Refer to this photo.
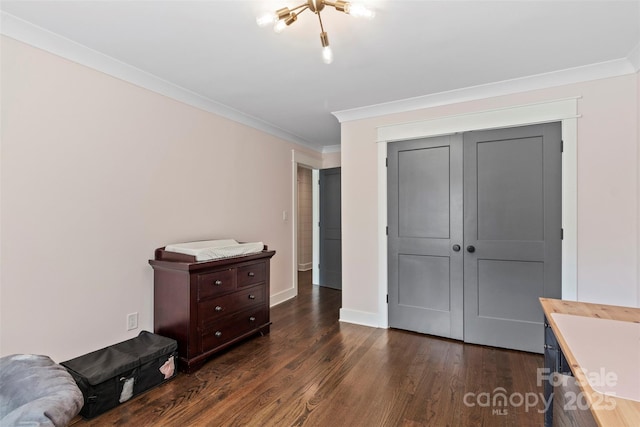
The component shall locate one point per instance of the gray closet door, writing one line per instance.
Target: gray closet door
(425, 223)
(330, 229)
(512, 233)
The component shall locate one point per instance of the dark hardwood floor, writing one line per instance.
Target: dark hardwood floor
(312, 370)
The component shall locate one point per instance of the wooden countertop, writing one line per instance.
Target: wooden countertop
(626, 412)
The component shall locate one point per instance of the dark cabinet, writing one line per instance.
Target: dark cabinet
(554, 363)
(207, 306)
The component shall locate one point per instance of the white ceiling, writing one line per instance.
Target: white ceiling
(412, 48)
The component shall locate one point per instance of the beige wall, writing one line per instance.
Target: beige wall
(331, 160)
(305, 214)
(608, 191)
(95, 174)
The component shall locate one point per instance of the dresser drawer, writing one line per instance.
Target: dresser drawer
(216, 283)
(252, 274)
(215, 309)
(231, 327)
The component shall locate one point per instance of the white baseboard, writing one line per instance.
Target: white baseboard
(283, 296)
(305, 267)
(360, 317)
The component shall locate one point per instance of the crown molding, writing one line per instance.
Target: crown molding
(26, 32)
(634, 57)
(600, 70)
(331, 149)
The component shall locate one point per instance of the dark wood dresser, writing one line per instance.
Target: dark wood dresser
(207, 306)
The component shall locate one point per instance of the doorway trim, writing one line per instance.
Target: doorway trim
(563, 110)
(297, 158)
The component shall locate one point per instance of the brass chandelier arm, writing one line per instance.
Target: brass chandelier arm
(320, 19)
(285, 13)
(338, 5)
(303, 5)
(292, 16)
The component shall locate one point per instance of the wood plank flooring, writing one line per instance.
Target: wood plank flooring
(312, 370)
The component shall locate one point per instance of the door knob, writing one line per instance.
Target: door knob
(471, 249)
(456, 248)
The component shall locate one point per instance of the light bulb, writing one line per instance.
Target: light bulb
(266, 19)
(280, 26)
(327, 55)
(359, 11)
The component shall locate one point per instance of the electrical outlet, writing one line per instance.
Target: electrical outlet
(132, 321)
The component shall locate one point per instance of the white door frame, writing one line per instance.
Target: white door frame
(315, 191)
(297, 158)
(562, 110)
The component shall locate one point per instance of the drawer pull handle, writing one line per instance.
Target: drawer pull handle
(252, 319)
(251, 274)
(218, 334)
(218, 308)
(218, 282)
(252, 296)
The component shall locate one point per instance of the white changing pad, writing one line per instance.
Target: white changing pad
(215, 249)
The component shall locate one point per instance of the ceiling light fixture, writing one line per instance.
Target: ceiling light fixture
(285, 17)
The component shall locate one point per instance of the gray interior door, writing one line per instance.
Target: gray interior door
(330, 229)
(424, 237)
(495, 197)
(512, 233)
